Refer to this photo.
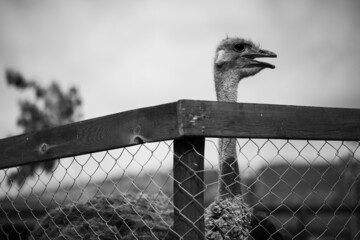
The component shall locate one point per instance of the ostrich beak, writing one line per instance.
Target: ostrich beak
(260, 53)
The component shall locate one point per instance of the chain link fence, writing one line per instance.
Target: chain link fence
(307, 189)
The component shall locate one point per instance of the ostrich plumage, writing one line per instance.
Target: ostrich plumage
(229, 217)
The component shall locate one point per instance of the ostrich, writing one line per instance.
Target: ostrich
(133, 217)
(229, 217)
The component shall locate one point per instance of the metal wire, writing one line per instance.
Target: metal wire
(307, 189)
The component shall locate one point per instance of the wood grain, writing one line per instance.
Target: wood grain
(185, 118)
(244, 120)
(114, 131)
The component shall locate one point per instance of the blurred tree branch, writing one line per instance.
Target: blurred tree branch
(52, 107)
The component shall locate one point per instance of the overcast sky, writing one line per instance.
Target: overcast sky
(124, 55)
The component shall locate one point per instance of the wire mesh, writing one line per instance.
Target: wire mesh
(306, 189)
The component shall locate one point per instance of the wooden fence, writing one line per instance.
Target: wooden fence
(188, 123)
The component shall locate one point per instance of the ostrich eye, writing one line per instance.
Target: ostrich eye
(239, 47)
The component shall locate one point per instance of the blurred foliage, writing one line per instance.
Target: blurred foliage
(123, 217)
(52, 107)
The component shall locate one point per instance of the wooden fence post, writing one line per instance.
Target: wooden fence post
(189, 188)
(355, 222)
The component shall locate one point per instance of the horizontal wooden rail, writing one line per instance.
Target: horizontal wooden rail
(184, 118)
(244, 120)
(114, 131)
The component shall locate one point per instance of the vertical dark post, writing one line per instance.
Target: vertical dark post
(355, 222)
(189, 188)
(357, 195)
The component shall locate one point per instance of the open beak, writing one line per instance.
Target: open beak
(260, 53)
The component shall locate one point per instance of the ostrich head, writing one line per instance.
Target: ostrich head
(235, 60)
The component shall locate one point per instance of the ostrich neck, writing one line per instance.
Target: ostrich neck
(226, 85)
(229, 179)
